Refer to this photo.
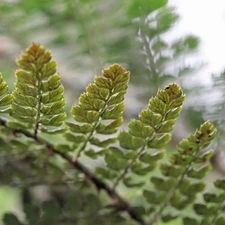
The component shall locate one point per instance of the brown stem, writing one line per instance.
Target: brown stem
(119, 203)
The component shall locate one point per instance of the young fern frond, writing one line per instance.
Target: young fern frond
(99, 111)
(150, 132)
(211, 211)
(38, 101)
(180, 183)
(5, 97)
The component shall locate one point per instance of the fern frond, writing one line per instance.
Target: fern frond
(100, 109)
(5, 97)
(150, 132)
(180, 180)
(38, 102)
(211, 211)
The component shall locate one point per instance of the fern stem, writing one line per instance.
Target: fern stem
(119, 203)
(38, 108)
(171, 194)
(126, 170)
(153, 70)
(82, 148)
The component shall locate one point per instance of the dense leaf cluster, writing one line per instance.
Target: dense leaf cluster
(66, 161)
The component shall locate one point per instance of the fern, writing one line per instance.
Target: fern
(133, 158)
(38, 97)
(100, 110)
(145, 135)
(5, 97)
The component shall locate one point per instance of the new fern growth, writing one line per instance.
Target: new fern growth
(99, 111)
(132, 158)
(38, 101)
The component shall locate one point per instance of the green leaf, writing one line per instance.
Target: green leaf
(117, 98)
(166, 126)
(189, 221)
(81, 115)
(110, 128)
(24, 100)
(163, 184)
(152, 157)
(138, 129)
(53, 95)
(6, 100)
(3, 87)
(16, 125)
(131, 182)
(74, 203)
(88, 103)
(32, 213)
(220, 221)
(50, 209)
(113, 113)
(26, 90)
(144, 7)
(220, 184)
(53, 130)
(53, 83)
(150, 118)
(63, 148)
(204, 157)
(104, 143)
(157, 106)
(199, 173)
(96, 92)
(141, 169)
(54, 108)
(92, 203)
(11, 219)
(25, 77)
(168, 217)
(171, 170)
(75, 128)
(91, 153)
(160, 141)
(56, 120)
(103, 172)
(114, 162)
(23, 111)
(75, 138)
(48, 69)
(200, 209)
(102, 82)
(154, 198)
(173, 113)
(129, 142)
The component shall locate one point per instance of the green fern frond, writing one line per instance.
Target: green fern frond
(181, 180)
(100, 109)
(150, 132)
(211, 211)
(5, 97)
(38, 102)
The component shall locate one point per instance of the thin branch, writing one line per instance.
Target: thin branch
(149, 53)
(127, 169)
(119, 203)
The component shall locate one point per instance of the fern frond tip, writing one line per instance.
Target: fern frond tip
(114, 71)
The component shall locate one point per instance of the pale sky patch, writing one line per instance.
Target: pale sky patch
(205, 19)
